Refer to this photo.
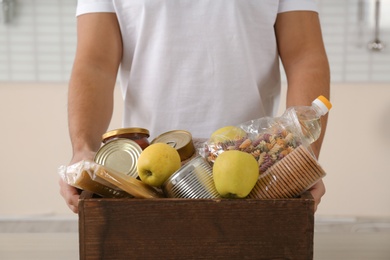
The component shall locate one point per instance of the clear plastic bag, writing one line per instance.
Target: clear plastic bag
(268, 139)
(82, 175)
(93, 177)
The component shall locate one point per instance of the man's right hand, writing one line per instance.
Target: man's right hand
(70, 194)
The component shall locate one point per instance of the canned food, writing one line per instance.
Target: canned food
(120, 155)
(192, 181)
(180, 140)
(138, 135)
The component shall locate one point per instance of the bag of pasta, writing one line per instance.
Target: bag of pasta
(267, 139)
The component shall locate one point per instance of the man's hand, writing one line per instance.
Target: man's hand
(70, 194)
(317, 191)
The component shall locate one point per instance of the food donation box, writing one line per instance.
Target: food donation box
(170, 228)
(242, 195)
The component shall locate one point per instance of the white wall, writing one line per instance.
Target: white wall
(35, 142)
(356, 152)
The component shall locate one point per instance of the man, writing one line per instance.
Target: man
(195, 65)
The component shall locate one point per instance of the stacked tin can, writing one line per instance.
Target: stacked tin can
(180, 140)
(122, 148)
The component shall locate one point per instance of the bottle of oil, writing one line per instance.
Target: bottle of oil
(309, 117)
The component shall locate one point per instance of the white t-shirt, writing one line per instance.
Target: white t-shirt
(197, 65)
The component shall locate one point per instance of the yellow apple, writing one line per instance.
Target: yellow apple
(227, 133)
(157, 163)
(235, 174)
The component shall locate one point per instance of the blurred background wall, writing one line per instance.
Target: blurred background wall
(37, 46)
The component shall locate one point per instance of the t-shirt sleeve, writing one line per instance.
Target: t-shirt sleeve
(94, 6)
(297, 5)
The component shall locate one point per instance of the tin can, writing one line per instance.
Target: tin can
(120, 155)
(180, 140)
(192, 181)
(138, 135)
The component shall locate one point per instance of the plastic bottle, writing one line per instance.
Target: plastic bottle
(309, 118)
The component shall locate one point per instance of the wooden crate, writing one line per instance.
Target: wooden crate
(196, 229)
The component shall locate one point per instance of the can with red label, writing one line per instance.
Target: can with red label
(138, 135)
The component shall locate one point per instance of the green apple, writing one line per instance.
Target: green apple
(235, 174)
(227, 133)
(157, 163)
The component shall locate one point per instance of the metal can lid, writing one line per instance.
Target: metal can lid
(125, 131)
(181, 140)
(120, 155)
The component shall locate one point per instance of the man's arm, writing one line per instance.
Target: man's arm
(91, 87)
(306, 65)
